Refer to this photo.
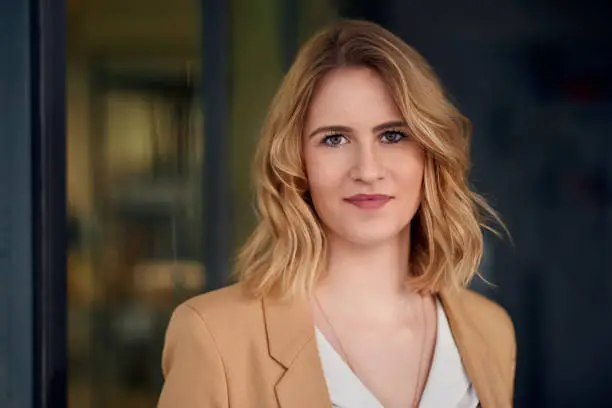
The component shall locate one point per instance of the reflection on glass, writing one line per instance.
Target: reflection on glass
(140, 244)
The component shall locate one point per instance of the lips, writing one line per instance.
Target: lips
(369, 201)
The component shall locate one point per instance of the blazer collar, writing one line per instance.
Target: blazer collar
(292, 343)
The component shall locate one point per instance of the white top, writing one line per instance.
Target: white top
(447, 385)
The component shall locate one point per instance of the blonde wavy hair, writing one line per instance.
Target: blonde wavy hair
(286, 252)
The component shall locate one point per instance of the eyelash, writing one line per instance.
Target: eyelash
(402, 134)
(399, 132)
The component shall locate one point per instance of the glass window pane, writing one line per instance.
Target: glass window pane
(136, 174)
(135, 149)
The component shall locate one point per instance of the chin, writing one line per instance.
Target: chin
(370, 236)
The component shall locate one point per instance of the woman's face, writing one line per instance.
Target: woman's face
(364, 170)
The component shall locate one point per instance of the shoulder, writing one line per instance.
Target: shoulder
(229, 304)
(490, 319)
(230, 314)
(205, 339)
(488, 315)
(230, 299)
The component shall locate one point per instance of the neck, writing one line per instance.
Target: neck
(367, 279)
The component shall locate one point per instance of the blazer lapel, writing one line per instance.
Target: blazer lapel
(481, 366)
(292, 343)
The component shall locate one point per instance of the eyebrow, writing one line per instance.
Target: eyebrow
(346, 129)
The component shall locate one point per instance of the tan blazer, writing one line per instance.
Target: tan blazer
(225, 349)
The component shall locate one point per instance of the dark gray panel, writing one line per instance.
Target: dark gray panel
(16, 272)
(48, 164)
(216, 94)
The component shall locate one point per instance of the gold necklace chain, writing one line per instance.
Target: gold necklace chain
(345, 356)
(331, 326)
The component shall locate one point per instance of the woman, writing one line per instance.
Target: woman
(351, 289)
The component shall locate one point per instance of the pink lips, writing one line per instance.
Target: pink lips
(369, 201)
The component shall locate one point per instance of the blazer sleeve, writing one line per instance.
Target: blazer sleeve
(194, 375)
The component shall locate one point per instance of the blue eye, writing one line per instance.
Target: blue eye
(334, 140)
(392, 136)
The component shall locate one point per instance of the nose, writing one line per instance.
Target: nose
(368, 166)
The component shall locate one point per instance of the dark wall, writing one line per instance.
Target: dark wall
(16, 269)
(535, 78)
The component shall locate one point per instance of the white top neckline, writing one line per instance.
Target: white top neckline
(447, 384)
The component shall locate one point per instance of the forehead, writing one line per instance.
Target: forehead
(352, 97)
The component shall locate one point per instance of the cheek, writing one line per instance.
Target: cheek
(409, 172)
(413, 172)
(324, 179)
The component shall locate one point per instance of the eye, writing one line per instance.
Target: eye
(392, 136)
(334, 140)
